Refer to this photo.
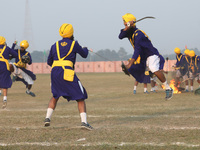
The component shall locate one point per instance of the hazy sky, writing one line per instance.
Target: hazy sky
(97, 23)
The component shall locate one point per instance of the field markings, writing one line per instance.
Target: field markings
(99, 127)
(131, 116)
(182, 144)
(107, 116)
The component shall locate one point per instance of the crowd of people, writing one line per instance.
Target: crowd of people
(187, 70)
(187, 67)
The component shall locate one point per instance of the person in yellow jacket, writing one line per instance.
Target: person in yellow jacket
(5, 80)
(64, 81)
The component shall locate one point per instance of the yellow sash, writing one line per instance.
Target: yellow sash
(137, 61)
(20, 63)
(179, 58)
(68, 73)
(3, 59)
(196, 62)
(187, 59)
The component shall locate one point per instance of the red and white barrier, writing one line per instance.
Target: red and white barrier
(98, 66)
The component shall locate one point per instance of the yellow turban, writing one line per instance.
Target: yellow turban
(191, 53)
(2, 40)
(187, 52)
(66, 30)
(24, 44)
(128, 17)
(177, 50)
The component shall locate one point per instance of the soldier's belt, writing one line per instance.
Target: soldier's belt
(60, 63)
(68, 73)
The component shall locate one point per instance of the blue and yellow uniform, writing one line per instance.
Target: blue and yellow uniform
(19, 64)
(20, 53)
(182, 63)
(194, 67)
(5, 80)
(143, 48)
(140, 42)
(64, 81)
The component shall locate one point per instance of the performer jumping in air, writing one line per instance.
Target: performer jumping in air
(20, 72)
(143, 47)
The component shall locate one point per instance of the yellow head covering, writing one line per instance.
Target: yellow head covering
(2, 40)
(191, 53)
(187, 52)
(66, 30)
(177, 50)
(24, 44)
(128, 17)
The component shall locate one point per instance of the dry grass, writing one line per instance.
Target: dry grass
(121, 120)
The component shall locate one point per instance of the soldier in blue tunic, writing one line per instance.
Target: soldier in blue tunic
(5, 80)
(194, 66)
(181, 67)
(143, 48)
(20, 72)
(64, 81)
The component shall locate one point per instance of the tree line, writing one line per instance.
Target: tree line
(101, 55)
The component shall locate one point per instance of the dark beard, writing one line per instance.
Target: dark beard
(72, 37)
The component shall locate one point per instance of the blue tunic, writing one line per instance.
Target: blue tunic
(140, 42)
(60, 87)
(5, 80)
(137, 71)
(195, 64)
(182, 63)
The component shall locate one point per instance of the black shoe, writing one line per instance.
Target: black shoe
(30, 93)
(87, 126)
(169, 93)
(47, 122)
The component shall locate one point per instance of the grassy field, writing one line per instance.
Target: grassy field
(121, 120)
